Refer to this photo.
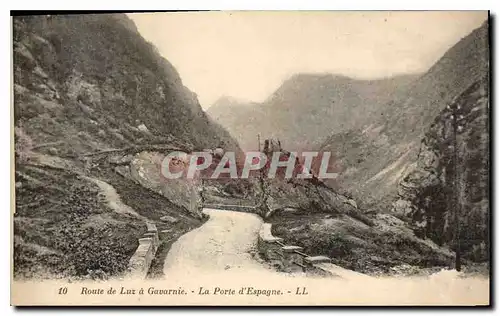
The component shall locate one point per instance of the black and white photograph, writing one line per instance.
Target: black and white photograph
(251, 158)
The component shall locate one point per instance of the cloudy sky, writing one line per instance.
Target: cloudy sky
(248, 54)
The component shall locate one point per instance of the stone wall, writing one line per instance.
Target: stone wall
(290, 258)
(236, 208)
(141, 260)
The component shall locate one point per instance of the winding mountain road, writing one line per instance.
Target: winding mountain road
(225, 242)
(218, 256)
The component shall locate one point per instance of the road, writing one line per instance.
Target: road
(223, 243)
(218, 255)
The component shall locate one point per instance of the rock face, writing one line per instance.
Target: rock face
(145, 169)
(286, 196)
(428, 192)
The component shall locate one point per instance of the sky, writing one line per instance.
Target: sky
(247, 55)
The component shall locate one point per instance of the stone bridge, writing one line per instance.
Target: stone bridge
(228, 207)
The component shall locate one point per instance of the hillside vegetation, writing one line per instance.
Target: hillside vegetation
(87, 84)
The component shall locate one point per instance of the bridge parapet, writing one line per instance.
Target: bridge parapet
(290, 258)
(236, 208)
(148, 245)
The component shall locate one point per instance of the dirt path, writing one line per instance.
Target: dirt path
(113, 199)
(225, 242)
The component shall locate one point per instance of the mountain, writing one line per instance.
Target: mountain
(103, 73)
(87, 87)
(307, 108)
(392, 140)
(242, 119)
(428, 193)
(378, 155)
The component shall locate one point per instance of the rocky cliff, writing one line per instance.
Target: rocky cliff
(428, 194)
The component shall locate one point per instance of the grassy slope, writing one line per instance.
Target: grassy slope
(325, 222)
(62, 227)
(355, 245)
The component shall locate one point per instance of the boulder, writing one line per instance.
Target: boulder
(169, 219)
(53, 151)
(317, 259)
(123, 171)
(143, 128)
(120, 159)
(402, 207)
(352, 202)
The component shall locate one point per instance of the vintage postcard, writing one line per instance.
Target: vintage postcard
(251, 158)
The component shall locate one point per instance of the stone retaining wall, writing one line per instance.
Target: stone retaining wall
(289, 258)
(141, 260)
(236, 208)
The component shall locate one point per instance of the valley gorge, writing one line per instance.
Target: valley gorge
(379, 132)
(97, 108)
